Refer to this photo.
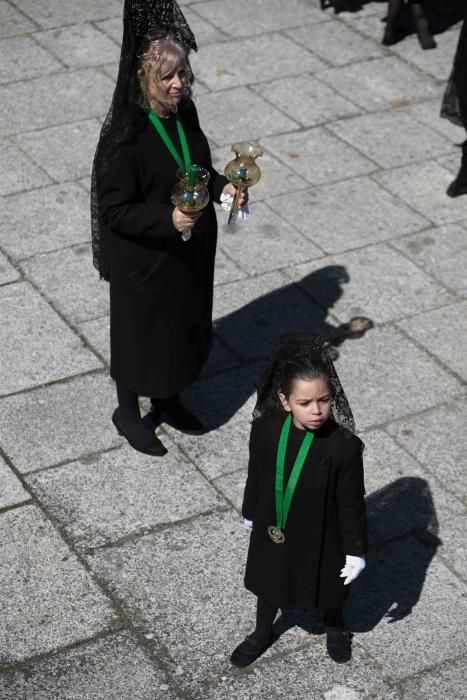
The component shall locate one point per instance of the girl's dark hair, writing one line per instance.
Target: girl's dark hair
(302, 367)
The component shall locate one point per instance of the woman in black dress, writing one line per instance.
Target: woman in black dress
(305, 556)
(161, 286)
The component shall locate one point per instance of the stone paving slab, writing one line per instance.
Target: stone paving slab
(29, 323)
(403, 289)
(17, 171)
(402, 496)
(441, 331)
(304, 674)
(12, 491)
(392, 138)
(64, 152)
(322, 214)
(70, 282)
(318, 156)
(43, 220)
(307, 100)
(113, 667)
(7, 272)
(226, 269)
(56, 430)
(382, 83)
(225, 119)
(336, 43)
(429, 113)
(403, 602)
(233, 485)
(219, 68)
(101, 499)
(269, 15)
(48, 599)
(13, 22)
(97, 334)
(54, 13)
(22, 58)
(383, 367)
(423, 186)
(442, 252)
(266, 242)
(446, 680)
(79, 46)
(87, 95)
(444, 457)
(250, 314)
(113, 27)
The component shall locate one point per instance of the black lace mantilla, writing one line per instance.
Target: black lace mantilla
(142, 20)
(295, 345)
(454, 105)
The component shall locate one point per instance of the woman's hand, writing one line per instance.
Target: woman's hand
(184, 222)
(230, 189)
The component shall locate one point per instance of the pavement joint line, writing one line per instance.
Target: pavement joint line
(427, 670)
(23, 14)
(425, 468)
(55, 57)
(15, 506)
(58, 651)
(86, 458)
(63, 380)
(455, 293)
(151, 531)
(420, 346)
(52, 251)
(96, 22)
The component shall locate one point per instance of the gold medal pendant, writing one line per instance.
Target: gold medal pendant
(276, 534)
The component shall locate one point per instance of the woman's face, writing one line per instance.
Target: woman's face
(169, 88)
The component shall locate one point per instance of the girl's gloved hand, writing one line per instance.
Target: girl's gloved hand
(248, 524)
(353, 568)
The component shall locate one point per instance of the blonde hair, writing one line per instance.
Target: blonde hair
(161, 57)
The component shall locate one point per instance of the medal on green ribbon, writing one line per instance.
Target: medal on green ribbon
(284, 499)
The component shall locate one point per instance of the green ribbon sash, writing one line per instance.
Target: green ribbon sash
(283, 500)
(161, 130)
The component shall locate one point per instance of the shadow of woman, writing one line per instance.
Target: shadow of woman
(248, 334)
(403, 535)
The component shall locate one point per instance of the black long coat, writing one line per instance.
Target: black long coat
(326, 521)
(161, 287)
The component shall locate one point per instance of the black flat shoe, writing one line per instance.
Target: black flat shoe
(338, 644)
(174, 413)
(144, 440)
(248, 651)
(459, 185)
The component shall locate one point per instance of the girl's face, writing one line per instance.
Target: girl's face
(309, 402)
(169, 89)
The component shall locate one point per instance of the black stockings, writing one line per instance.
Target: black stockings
(266, 613)
(128, 406)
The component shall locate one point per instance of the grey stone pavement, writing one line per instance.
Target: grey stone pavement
(121, 575)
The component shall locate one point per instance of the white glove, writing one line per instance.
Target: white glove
(353, 568)
(248, 524)
(226, 203)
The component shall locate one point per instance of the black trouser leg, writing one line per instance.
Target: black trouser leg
(128, 405)
(333, 617)
(265, 615)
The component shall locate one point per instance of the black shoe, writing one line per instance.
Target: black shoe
(425, 37)
(338, 644)
(140, 438)
(392, 35)
(248, 651)
(174, 413)
(459, 185)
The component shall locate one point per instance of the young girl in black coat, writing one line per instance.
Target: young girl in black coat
(304, 496)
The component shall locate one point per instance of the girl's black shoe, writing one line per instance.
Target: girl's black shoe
(174, 413)
(338, 644)
(248, 651)
(139, 437)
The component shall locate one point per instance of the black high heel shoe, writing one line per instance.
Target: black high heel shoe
(143, 440)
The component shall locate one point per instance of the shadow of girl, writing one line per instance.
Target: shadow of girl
(403, 531)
